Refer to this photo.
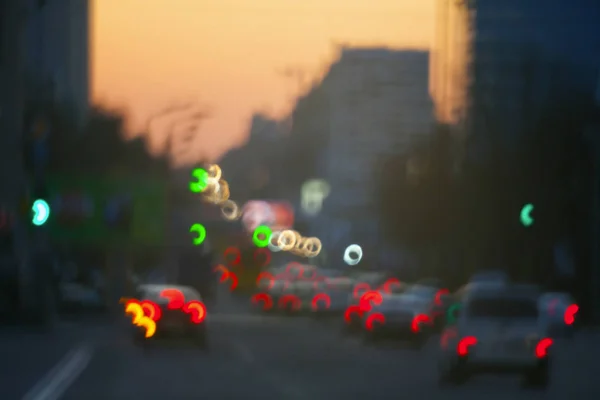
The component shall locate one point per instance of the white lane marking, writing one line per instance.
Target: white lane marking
(58, 380)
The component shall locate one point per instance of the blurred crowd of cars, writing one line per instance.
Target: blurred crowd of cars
(488, 325)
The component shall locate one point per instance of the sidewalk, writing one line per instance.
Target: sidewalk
(26, 355)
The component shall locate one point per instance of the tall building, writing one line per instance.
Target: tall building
(378, 106)
(57, 58)
(497, 65)
(448, 77)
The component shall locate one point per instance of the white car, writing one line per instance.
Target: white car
(174, 322)
(498, 329)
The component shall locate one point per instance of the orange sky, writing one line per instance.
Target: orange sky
(147, 54)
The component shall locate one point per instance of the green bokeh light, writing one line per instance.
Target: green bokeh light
(201, 180)
(525, 216)
(201, 231)
(263, 231)
(451, 313)
(41, 212)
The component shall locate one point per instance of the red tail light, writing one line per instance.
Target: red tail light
(265, 298)
(570, 312)
(447, 334)
(267, 276)
(320, 297)
(541, 350)
(375, 317)
(175, 297)
(151, 310)
(418, 320)
(464, 344)
(196, 309)
(369, 298)
(386, 287)
(359, 288)
(353, 309)
(290, 298)
(438, 296)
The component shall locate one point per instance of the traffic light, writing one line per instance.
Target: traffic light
(41, 212)
(525, 215)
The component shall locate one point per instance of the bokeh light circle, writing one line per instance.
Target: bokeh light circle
(286, 240)
(355, 250)
(262, 256)
(232, 261)
(230, 210)
(214, 172)
(201, 180)
(262, 236)
(451, 313)
(273, 246)
(312, 247)
(200, 230)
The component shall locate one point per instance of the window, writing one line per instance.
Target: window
(502, 308)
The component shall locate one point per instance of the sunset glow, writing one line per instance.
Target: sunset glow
(229, 54)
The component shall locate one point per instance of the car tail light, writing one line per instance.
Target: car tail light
(265, 298)
(359, 289)
(151, 310)
(320, 297)
(387, 285)
(196, 309)
(369, 298)
(541, 350)
(353, 309)
(569, 316)
(375, 317)
(464, 344)
(438, 296)
(290, 302)
(418, 320)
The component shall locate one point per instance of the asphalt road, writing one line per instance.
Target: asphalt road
(296, 358)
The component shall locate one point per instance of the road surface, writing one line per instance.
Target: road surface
(280, 358)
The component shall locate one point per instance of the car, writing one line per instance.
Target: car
(396, 317)
(355, 311)
(274, 284)
(498, 329)
(174, 322)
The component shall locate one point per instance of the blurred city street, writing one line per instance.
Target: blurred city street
(420, 166)
(275, 357)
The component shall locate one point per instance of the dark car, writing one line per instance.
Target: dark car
(173, 323)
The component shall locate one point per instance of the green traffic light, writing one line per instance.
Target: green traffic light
(526, 218)
(201, 180)
(41, 212)
(200, 230)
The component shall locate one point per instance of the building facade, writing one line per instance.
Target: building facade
(57, 57)
(379, 105)
(497, 65)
